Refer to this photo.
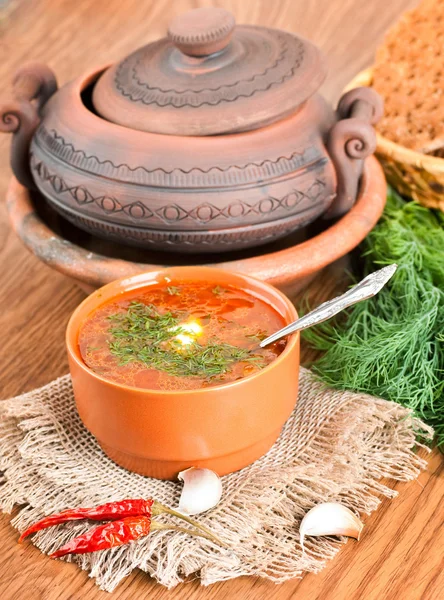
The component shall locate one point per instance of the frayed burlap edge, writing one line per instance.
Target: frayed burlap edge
(336, 446)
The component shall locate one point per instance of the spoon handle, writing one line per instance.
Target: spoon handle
(365, 289)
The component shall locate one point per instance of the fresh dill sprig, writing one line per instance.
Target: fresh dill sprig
(258, 336)
(142, 334)
(173, 290)
(393, 345)
(218, 290)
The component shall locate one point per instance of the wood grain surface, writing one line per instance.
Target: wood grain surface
(400, 555)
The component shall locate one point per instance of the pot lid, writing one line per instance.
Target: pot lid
(210, 76)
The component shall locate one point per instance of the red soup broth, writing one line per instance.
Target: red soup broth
(180, 336)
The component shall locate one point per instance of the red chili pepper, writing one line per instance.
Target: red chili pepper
(118, 533)
(110, 535)
(118, 512)
(104, 512)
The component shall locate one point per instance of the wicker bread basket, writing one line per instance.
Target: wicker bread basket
(412, 174)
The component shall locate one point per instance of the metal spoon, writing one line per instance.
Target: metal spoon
(365, 289)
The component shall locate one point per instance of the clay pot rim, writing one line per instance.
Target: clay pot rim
(278, 268)
(76, 87)
(252, 286)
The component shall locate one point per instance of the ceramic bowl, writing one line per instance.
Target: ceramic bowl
(159, 433)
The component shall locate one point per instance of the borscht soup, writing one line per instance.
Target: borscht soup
(180, 335)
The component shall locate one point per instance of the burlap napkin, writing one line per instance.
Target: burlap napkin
(336, 446)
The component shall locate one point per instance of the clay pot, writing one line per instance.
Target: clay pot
(159, 433)
(212, 139)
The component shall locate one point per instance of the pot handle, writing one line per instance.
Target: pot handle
(33, 85)
(350, 141)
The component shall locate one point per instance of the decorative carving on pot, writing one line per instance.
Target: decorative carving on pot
(210, 139)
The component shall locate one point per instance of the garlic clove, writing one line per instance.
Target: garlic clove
(330, 518)
(202, 490)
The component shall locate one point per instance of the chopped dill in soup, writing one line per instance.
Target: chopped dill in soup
(182, 336)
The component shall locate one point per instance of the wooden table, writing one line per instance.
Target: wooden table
(400, 555)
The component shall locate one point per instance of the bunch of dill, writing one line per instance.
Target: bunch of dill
(392, 345)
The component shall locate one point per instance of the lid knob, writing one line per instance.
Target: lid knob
(202, 31)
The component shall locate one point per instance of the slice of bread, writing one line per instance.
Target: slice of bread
(409, 74)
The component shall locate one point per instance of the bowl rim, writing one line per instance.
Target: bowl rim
(140, 280)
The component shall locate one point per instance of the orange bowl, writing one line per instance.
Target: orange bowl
(159, 433)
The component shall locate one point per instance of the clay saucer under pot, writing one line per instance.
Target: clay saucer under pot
(91, 263)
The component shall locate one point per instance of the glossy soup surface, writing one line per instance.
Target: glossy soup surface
(181, 336)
